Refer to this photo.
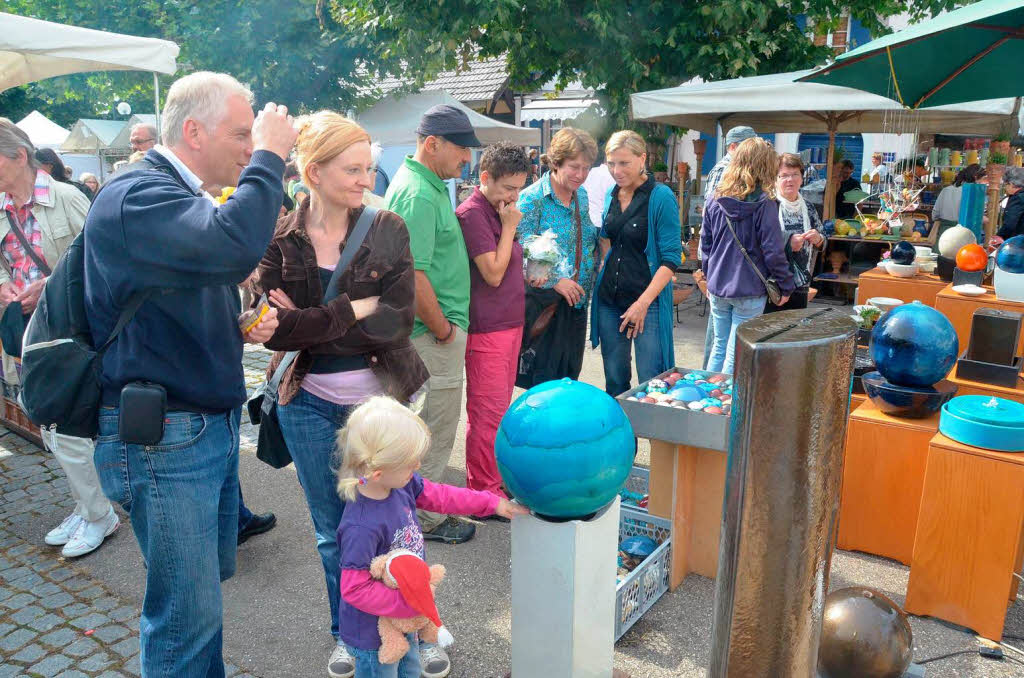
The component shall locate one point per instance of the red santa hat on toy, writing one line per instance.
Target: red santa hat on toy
(412, 575)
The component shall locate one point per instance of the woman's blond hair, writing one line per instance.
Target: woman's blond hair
(755, 164)
(323, 136)
(381, 434)
(568, 143)
(627, 139)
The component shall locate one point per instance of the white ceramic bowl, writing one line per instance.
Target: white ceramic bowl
(885, 303)
(927, 266)
(924, 251)
(903, 270)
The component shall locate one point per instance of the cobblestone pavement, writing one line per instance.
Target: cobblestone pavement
(55, 620)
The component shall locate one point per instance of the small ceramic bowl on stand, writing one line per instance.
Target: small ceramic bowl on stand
(902, 270)
(885, 303)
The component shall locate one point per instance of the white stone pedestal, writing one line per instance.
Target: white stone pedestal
(563, 596)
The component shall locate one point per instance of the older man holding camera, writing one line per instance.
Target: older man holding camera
(173, 385)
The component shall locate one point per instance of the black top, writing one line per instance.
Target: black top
(1013, 217)
(845, 210)
(330, 364)
(626, 271)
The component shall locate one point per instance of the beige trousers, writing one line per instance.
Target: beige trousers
(441, 407)
(75, 456)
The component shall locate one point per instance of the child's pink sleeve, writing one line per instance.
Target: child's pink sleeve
(457, 500)
(372, 596)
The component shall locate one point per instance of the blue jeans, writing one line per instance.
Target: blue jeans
(727, 314)
(310, 427)
(244, 514)
(709, 342)
(616, 348)
(368, 666)
(182, 497)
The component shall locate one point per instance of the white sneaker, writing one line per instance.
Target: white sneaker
(341, 664)
(434, 661)
(61, 534)
(89, 535)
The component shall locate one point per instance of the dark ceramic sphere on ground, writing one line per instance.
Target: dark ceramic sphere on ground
(863, 635)
(914, 345)
(903, 252)
(908, 402)
(1010, 256)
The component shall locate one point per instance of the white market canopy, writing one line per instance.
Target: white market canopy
(392, 121)
(777, 103)
(555, 109)
(43, 132)
(32, 49)
(93, 136)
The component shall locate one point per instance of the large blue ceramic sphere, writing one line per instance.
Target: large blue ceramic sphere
(564, 449)
(914, 345)
(1010, 256)
(903, 252)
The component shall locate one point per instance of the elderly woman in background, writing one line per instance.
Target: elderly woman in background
(556, 309)
(801, 229)
(43, 216)
(1013, 213)
(641, 245)
(89, 180)
(743, 212)
(947, 205)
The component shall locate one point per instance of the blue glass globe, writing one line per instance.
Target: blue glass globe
(1010, 256)
(565, 449)
(903, 252)
(914, 345)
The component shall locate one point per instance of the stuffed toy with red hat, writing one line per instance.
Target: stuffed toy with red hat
(404, 570)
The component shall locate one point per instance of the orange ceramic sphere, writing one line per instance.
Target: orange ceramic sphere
(972, 258)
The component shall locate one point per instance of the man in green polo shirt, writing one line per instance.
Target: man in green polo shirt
(420, 196)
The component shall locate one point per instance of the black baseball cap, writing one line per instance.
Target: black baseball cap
(450, 123)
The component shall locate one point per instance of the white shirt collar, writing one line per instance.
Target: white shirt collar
(193, 181)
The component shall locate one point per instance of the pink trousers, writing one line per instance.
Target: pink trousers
(491, 362)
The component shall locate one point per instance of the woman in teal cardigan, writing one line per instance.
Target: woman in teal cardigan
(642, 248)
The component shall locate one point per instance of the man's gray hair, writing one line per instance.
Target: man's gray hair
(1015, 176)
(12, 138)
(202, 97)
(151, 129)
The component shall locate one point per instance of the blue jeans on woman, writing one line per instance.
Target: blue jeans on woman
(368, 665)
(310, 427)
(727, 314)
(616, 348)
(182, 497)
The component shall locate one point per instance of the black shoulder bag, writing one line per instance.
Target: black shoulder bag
(262, 406)
(771, 286)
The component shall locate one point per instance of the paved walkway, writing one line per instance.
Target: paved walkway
(80, 618)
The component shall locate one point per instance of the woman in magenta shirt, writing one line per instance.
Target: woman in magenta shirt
(497, 305)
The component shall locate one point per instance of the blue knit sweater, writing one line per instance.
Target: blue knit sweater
(148, 229)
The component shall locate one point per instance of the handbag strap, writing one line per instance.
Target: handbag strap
(579, 236)
(744, 250)
(29, 250)
(355, 241)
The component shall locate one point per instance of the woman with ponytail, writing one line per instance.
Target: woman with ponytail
(352, 348)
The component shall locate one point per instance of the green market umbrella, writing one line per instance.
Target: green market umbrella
(969, 54)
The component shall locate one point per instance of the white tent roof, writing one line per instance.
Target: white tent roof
(555, 109)
(393, 121)
(777, 103)
(31, 49)
(90, 136)
(43, 132)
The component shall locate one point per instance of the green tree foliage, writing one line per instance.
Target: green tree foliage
(614, 46)
(279, 49)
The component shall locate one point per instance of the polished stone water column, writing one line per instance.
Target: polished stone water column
(793, 377)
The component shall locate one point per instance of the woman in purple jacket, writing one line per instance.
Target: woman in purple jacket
(744, 210)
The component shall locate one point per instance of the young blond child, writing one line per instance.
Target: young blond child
(382, 445)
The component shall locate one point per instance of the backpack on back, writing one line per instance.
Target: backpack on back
(60, 366)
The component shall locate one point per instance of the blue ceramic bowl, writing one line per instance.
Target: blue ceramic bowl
(904, 401)
(914, 345)
(1010, 256)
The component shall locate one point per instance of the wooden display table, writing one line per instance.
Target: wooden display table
(688, 487)
(883, 471)
(965, 387)
(970, 536)
(877, 283)
(960, 311)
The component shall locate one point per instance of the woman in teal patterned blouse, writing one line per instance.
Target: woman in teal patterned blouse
(553, 344)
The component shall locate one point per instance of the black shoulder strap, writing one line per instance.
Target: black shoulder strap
(25, 245)
(129, 310)
(355, 241)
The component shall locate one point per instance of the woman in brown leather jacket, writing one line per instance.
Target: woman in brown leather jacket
(355, 346)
